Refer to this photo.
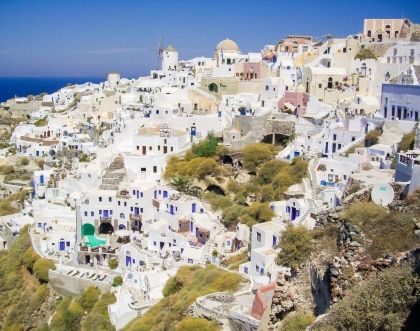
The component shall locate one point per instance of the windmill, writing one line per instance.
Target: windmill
(159, 50)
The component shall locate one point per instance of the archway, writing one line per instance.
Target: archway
(227, 159)
(330, 82)
(88, 229)
(106, 228)
(213, 88)
(215, 189)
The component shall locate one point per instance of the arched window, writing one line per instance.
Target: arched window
(122, 216)
(363, 71)
(330, 82)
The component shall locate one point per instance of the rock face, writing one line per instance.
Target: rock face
(285, 299)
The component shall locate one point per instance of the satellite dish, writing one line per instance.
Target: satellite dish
(382, 194)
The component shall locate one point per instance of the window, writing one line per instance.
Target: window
(110, 199)
(155, 169)
(92, 213)
(258, 237)
(86, 213)
(150, 148)
(266, 87)
(100, 199)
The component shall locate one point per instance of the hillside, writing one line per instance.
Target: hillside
(27, 302)
(180, 292)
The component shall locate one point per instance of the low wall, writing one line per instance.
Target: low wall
(68, 285)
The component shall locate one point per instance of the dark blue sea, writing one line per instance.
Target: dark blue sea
(24, 86)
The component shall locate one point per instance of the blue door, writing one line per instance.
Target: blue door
(41, 179)
(193, 207)
(62, 245)
(127, 261)
(155, 194)
(293, 216)
(136, 211)
(106, 213)
(171, 210)
(165, 194)
(193, 131)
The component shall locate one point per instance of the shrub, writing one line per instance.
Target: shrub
(113, 263)
(296, 246)
(372, 137)
(84, 157)
(208, 167)
(41, 268)
(256, 154)
(381, 303)
(195, 324)
(29, 258)
(194, 282)
(117, 281)
(24, 161)
(365, 53)
(407, 141)
(206, 148)
(231, 214)
(172, 286)
(41, 122)
(361, 213)
(260, 212)
(297, 321)
(89, 297)
(7, 169)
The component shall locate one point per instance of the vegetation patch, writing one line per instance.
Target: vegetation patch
(180, 292)
(381, 303)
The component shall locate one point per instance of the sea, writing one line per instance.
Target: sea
(24, 86)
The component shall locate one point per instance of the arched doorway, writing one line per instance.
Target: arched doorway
(106, 228)
(88, 229)
(330, 82)
(215, 189)
(213, 88)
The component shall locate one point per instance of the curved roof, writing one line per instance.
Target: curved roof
(170, 48)
(227, 45)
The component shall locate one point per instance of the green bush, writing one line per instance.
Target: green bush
(89, 297)
(24, 161)
(189, 283)
(297, 321)
(113, 263)
(381, 303)
(295, 246)
(407, 141)
(117, 281)
(372, 137)
(365, 53)
(206, 148)
(196, 324)
(257, 154)
(41, 268)
(7, 169)
(41, 122)
(260, 212)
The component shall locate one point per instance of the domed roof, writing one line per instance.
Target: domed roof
(228, 46)
(170, 48)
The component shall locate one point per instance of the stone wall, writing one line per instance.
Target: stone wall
(68, 285)
(286, 128)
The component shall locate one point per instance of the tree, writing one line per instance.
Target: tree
(41, 268)
(206, 148)
(296, 246)
(181, 183)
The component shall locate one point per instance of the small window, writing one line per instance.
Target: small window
(100, 199)
(92, 213)
(258, 237)
(155, 169)
(86, 213)
(110, 199)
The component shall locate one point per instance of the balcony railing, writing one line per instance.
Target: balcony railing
(105, 219)
(135, 217)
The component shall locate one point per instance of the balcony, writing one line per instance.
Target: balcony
(104, 219)
(135, 217)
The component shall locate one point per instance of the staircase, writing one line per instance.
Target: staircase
(209, 247)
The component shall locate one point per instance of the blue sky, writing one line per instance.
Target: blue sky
(90, 38)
